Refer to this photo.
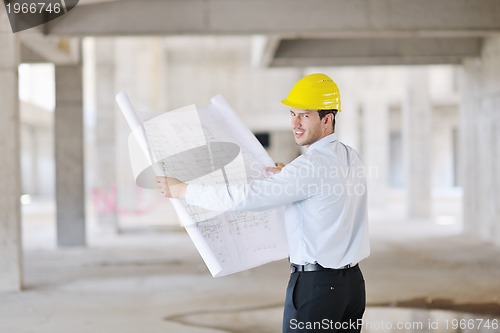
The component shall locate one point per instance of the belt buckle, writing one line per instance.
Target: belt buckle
(293, 269)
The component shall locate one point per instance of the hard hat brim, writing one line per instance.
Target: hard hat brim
(311, 107)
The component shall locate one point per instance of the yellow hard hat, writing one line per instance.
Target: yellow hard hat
(314, 92)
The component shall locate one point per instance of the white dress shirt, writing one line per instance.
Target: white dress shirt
(324, 191)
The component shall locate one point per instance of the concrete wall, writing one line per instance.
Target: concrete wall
(480, 145)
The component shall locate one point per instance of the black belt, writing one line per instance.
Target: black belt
(315, 267)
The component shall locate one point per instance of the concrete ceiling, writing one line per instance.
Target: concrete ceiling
(292, 18)
(305, 33)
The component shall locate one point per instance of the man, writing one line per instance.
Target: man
(324, 191)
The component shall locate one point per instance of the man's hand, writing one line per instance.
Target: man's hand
(277, 168)
(171, 187)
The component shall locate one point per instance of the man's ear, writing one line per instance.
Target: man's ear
(328, 118)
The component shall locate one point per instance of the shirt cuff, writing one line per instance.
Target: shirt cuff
(192, 193)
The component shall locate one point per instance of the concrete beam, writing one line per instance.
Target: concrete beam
(367, 61)
(263, 50)
(38, 48)
(334, 18)
(28, 56)
(374, 51)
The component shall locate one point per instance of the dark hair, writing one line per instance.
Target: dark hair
(322, 114)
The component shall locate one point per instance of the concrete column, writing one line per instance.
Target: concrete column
(480, 122)
(496, 168)
(70, 186)
(470, 103)
(105, 143)
(348, 125)
(490, 188)
(417, 144)
(485, 163)
(443, 173)
(376, 149)
(10, 172)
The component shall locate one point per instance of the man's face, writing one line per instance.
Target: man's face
(307, 127)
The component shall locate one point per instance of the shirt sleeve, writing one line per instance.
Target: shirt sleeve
(295, 182)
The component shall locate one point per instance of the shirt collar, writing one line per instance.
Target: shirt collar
(323, 141)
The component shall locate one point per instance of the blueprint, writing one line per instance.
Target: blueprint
(208, 145)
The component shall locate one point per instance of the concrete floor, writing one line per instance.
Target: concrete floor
(156, 282)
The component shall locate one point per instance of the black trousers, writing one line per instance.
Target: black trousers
(325, 301)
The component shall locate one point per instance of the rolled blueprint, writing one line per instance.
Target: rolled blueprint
(128, 110)
(138, 133)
